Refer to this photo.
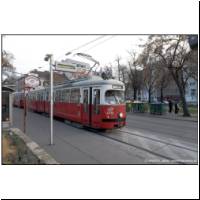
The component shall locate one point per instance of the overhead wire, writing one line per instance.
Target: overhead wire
(99, 43)
(85, 44)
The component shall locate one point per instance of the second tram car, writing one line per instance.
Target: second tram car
(92, 102)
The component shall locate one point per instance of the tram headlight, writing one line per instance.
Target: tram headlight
(121, 115)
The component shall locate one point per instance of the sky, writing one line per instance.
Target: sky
(29, 50)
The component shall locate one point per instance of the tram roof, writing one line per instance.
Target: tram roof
(94, 80)
(97, 81)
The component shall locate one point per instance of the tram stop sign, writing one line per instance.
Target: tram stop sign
(63, 66)
(32, 81)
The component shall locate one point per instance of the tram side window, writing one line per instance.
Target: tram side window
(47, 96)
(59, 96)
(36, 96)
(56, 96)
(41, 96)
(85, 101)
(66, 95)
(62, 96)
(75, 96)
(96, 101)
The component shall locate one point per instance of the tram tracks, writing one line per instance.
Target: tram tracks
(120, 137)
(114, 137)
(134, 146)
(157, 140)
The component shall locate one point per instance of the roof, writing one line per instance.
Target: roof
(6, 88)
(97, 80)
(94, 80)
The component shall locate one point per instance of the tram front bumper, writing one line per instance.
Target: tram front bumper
(113, 123)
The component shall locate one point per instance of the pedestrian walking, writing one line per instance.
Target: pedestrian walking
(176, 108)
(170, 105)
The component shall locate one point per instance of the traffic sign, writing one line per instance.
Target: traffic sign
(63, 66)
(32, 81)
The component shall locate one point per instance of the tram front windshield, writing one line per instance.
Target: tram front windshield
(114, 97)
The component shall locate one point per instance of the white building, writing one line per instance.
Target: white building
(191, 93)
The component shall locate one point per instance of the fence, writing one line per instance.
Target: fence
(141, 107)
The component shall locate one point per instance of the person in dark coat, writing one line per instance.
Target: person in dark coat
(170, 105)
(176, 108)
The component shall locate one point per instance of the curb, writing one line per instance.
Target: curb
(40, 153)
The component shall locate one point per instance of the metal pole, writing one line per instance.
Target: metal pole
(11, 108)
(24, 108)
(51, 99)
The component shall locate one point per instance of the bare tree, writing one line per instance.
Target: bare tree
(124, 72)
(149, 65)
(7, 66)
(163, 78)
(107, 73)
(174, 51)
(135, 75)
(149, 77)
(7, 59)
(118, 58)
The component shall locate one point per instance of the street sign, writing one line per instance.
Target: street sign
(63, 66)
(32, 81)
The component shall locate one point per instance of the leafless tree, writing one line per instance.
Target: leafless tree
(6, 65)
(124, 73)
(163, 78)
(149, 77)
(174, 52)
(118, 58)
(107, 72)
(135, 74)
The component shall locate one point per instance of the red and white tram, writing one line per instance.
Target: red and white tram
(92, 102)
(18, 99)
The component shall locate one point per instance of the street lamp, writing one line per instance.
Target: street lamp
(49, 57)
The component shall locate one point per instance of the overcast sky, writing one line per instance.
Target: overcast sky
(29, 51)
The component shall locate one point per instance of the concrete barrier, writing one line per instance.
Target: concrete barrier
(40, 153)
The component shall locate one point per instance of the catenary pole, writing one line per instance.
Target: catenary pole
(51, 98)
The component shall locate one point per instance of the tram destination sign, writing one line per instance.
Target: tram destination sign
(62, 66)
(117, 86)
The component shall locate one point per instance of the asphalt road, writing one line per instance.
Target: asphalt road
(145, 140)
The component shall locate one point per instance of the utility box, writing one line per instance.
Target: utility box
(139, 107)
(157, 108)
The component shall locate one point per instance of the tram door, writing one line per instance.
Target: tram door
(96, 117)
(87, 106)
